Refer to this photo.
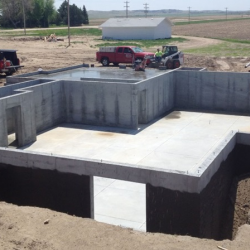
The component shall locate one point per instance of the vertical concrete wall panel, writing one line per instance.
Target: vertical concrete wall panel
(215, 91)
(46, 105)
(221, 91)
(181, 88)
(58, 103)
(26, 123)
(97, 103)
(194, 88)
(49, 105)
(3, 124)
(242, 89)
(159, 96)
(22, 112)
(126, 106)
(207, 92)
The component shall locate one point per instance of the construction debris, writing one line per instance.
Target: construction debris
(222, 248)
(52, 38)
(247, 65)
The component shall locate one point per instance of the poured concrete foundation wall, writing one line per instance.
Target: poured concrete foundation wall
(49, 104)
(66, 193)
(10, 116)
(167, 211)
(155, 97)
(208, 214)
(22, 106)
(213, 91)
(103, 104)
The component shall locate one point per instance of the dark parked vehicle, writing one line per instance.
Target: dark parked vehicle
(9, 62)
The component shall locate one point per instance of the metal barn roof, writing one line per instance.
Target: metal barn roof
(134, 22)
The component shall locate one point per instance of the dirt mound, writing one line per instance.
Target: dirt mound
(36, 229)
(229, 64)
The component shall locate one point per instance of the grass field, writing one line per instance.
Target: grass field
(58, 32)
(142, 43)
(225, 49)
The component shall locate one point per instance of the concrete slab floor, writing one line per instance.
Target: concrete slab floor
(120, 203)
(179, 142)
(103, 73)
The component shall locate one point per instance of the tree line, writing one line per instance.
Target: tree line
(39, 13)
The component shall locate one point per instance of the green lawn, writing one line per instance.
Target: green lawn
(141, 43)
(226, 49)
(58, 32)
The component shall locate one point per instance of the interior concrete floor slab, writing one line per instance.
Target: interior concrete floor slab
(178, 142)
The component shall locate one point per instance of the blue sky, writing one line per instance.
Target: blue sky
(160, 4)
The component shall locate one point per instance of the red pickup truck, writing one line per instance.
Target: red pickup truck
(121, 54)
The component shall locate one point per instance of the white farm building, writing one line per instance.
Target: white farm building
(136, 28)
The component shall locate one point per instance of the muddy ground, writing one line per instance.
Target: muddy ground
(24, 228)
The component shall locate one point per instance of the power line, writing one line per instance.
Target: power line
(126, 6)
(146, 9)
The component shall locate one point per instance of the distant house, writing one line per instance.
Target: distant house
(136, 28)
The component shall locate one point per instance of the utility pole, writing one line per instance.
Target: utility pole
(126, 6)
(68, 24)
(24, 18)
(146, 9)
(189, 14)
(226, 13)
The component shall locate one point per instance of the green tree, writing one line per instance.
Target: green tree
(41, 13)
(48, 12)
(35, 15)
(63, 12)
(11, 13)
(85, 15)
(76, 16)
(38, 13)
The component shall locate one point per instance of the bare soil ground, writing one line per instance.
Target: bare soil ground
(24, 228)
(239, 30)
(34, 53)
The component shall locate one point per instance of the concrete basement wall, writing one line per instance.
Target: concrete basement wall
(22, 108)
(49, 104)
(101, 103)
(155, 97)
(212, 91)
(10, 90)
(66, 193)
